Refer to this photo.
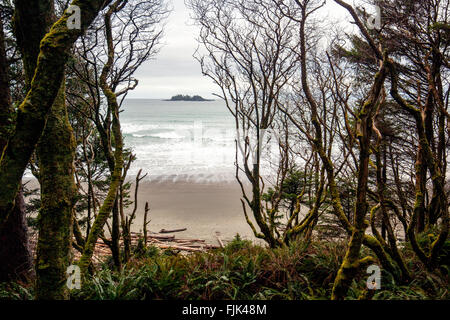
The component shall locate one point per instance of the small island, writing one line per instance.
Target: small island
(181, 97)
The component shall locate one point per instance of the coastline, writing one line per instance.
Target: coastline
(204, 208)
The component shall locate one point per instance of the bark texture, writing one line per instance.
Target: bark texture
(56, 153)
(15, 255)
(350, 265)
(15, 252)
(34, 110)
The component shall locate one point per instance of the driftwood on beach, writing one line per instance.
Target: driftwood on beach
(161, 237)
(159, 240)
(164, 240)
(219, 239)
(172, 231)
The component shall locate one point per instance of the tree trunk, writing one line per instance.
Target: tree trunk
(350, 265)
(34, 110)
(15, 252)
(6, 109)
(56, 153)
(115, 236)
(15, 255)
(116, 176)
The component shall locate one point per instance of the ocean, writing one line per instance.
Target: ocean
(180, 140)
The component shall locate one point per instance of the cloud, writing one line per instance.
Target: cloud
(174, 70)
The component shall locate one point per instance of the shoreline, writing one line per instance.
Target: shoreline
(203, 208)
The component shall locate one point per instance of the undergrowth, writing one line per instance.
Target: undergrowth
(243, 271)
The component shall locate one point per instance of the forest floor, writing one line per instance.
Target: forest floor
(165, 239)
(245, 271)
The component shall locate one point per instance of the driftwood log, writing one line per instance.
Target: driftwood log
(172, 231)
(182, 248)
(166, 238)
(219, 240)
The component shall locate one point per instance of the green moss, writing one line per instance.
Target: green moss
(116, 180)
(34, 110)
(56, 153)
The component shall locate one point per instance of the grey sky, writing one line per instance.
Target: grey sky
(174, 70)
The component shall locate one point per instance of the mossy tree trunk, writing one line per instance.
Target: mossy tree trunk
(15, 255)
(56, 153)
(428, 159)
(318, 142)
(386, 226)
(116, 177)
(350, 264)
(34, 110)
(425, 158)
(108, 204)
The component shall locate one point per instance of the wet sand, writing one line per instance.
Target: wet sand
(202, 208)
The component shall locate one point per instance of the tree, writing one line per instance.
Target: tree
(107, 74)
(359, 136)
(14, 251)
(44, 83)
(56, 154)
(33, 111)
(246, 49)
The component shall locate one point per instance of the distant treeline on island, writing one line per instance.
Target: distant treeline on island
(181, 97)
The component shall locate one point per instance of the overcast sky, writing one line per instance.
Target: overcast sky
(174, 70)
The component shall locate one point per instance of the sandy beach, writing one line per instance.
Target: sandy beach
(202, 208)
